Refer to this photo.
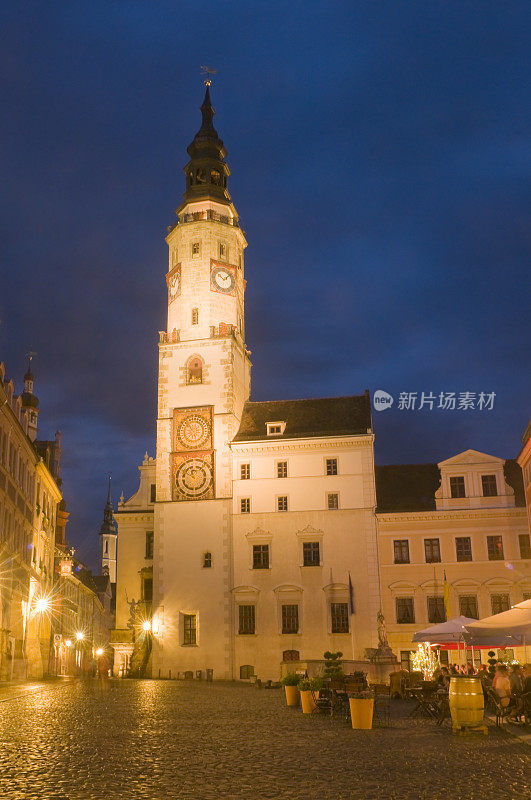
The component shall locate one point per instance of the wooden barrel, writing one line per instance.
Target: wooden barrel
(466, 701)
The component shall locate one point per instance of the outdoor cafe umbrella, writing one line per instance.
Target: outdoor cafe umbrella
(513, 624)
(451, 631)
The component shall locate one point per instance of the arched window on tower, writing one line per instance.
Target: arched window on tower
(195, 370)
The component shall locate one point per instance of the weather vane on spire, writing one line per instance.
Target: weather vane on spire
(207, 72)
(30, 355)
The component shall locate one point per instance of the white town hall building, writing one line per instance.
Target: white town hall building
(239, 543)
(251, 542)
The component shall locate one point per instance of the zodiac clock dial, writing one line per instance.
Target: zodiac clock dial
(222, 280)
(194, 477)
(193, 432)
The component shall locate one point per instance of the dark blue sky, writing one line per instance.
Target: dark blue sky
(380, 158)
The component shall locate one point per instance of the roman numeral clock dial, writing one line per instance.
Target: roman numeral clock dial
(222, 279)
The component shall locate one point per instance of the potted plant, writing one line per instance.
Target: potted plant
(492, 661)
(307, 701)
(334, 669)
(361, 709)
(317, 684)
(289, 682)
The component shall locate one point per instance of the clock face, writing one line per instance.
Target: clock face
(194, 478)
(173, 279)
(193, 432)
(174, 283)
(223, 280)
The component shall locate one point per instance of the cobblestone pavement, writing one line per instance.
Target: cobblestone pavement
(165, 740)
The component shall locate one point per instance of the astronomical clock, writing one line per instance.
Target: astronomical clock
(192, 457)
(173, 279)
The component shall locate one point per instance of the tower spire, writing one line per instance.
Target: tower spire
(207, 171)
(108, 525)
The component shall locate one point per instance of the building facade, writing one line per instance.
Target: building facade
(188, 539)
(461, 522)
(258, 537)
(36, 599)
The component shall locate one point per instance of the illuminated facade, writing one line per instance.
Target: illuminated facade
(240, 563)
(463, 518)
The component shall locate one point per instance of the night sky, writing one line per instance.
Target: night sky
(380, 159)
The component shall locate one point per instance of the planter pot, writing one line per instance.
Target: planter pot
(292, 695)
(361, 713)
(466, 701)
(307, 702)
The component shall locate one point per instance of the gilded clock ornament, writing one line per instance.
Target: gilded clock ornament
(193, 431)
(174, 283)
(194, 477)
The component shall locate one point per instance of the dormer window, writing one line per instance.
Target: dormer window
(488, 484)
(275, 428)
(457, 486)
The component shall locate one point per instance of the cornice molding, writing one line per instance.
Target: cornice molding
(424, 516)
(314, 443)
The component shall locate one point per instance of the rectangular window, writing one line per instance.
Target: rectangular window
(290, 619)
(245, 505)
(153, 493)
(499, 603)
(282, 469)
(147, 589)
(195, 316)
(260, 556)
(332, 501)
(246, 619)
(488, 483)
(436, 610)
(222, 250)
(310, 554)
(525, 545)
(401, 547)
(273, 429)
(339, 614)
(495, 548)
(196, 248)
(457, 486)
(463, 548)
(443, 657)
(468, 606)
(282, 503)
(432, 551)
(331, 466)
(405, 610)
(405, 659)
(189, 629)
(245, 472)
(149, 544)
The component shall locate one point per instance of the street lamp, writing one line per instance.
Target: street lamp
(146, 626)
(42, 604)
(80, 636)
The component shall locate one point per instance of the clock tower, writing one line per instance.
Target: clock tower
(203, 383)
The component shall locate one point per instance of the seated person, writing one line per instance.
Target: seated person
(443, 681)
(502, 685)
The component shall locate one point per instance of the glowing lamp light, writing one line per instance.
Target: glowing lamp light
(42, 605)
(146, 626)
(68, 643)
(80, 636)
(99, 651)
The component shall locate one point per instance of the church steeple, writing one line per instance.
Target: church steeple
(108, 537)
(30, 403)
(207, 171)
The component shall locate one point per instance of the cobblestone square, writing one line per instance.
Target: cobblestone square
(161, 740)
